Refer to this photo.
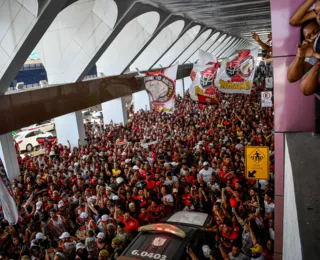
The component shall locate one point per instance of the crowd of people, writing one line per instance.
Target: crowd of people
(87, 202)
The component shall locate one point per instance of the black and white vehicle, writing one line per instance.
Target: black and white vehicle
(169, 240)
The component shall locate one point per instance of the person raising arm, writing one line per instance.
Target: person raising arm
(304, 58)
(310, 81)
(263, 45)
(302, 14)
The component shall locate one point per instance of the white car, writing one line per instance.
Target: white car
(27, 140)
(45, 126)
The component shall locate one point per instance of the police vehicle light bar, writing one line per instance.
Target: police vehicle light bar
(166, 228)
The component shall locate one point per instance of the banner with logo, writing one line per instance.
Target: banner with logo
(266, 99)
(8, 203)
(161, 88)
(237, 74)
(203, 76)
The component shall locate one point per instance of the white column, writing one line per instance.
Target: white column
(115, 110)
(70, 128)
(141, 101)
(187, 83)
(9, 156)
(180, 87)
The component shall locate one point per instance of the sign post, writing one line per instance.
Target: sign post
(257, 163)
(266, 99)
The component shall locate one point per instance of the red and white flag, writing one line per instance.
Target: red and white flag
(8, 203)
(203, 76)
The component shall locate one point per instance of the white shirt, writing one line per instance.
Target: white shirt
(206, 174)
(170, 182)
(269, 208)
(169, 198)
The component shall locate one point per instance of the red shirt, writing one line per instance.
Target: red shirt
(150, 184)
(144, 219)
(228, 241)
(132, 225)
(189, 179)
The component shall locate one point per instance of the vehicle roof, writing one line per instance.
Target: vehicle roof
(26, 132)
(157, 243)
(193, 219)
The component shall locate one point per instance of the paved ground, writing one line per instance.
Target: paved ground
(305, 159)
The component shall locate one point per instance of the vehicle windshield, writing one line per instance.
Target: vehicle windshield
(17, 137)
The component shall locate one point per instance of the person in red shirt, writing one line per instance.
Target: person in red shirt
(189, 177)
(144, 217)
(155, 211)
(132, 224)
(151, 184)
(228, 237)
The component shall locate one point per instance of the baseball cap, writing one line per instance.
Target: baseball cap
(83, 215)
(39, 205)
(104, 253)
(101, 235)
(257, 249)
(104, 218)
(205, 163)
(80, 246)
(64, 235)
(136, 168)
(60, 204)
(116, 241)
(127, 161)
(40, 236)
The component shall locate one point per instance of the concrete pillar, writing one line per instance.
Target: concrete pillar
(187, 83)
(9, 156)
(180, 87)
(141, 101)
(115, 110)
(70, 128)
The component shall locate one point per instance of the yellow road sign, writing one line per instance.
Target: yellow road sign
(257, 163)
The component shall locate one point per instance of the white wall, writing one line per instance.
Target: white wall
(74, 38)
(127, 44)
(204, 47)
(115, 110)
(158, 46)
(9, 156)
(178, 47)
(217, 43)
(291, 235)
(141, 101)
(179, 87)
(184, 58)
(221, 46)
(187, 83)
(17, 18)
(70, 127)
